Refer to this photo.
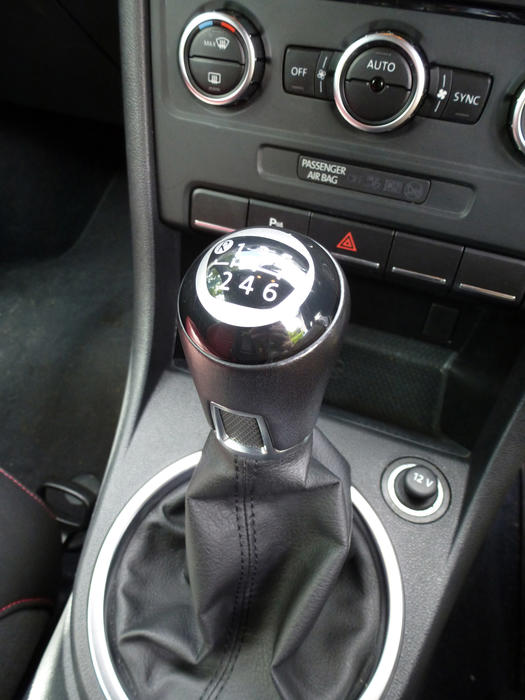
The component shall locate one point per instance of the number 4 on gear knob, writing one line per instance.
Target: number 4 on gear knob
(261, 318)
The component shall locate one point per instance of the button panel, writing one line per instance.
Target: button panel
(372, 250)
(378, 84)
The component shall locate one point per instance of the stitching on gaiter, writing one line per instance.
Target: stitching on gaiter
(234, 624)
(249, 522)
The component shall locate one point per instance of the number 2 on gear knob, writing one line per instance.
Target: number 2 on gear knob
(261, 318)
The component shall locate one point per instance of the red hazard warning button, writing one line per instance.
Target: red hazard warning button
(360, 245)
(347, 243)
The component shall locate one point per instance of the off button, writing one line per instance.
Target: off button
(299, 71)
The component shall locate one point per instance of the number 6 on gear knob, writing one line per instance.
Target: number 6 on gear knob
(261, 318)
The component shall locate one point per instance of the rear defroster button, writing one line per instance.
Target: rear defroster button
(215, 77)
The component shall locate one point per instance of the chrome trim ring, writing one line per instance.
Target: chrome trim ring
(249, 67)
(412, 511)
(517, 112)
(174, 475)
(419, 77)
(427, 515)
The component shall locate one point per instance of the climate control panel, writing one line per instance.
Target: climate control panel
(378, 83)
(382, 80)
(403, 120)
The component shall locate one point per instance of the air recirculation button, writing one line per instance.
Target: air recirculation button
(379, 82)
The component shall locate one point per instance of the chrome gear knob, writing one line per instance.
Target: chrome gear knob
(261, 318)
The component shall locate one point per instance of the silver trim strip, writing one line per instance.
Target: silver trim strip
(418, 275)
(249, 67)
(233, 445)
(405, 509)
(486, 292)
(517, 131)
(212, 227)
(418, 89)
(360, 261)
(179, 472)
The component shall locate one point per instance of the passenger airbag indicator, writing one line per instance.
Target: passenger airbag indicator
(354, 177)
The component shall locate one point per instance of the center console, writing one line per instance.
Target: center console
(393, 135)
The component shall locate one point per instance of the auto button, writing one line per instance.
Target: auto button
(384, 63)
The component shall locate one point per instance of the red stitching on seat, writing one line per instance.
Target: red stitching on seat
(28, 492)
(43, 601)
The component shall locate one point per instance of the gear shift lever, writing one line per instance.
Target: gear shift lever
(250, 590)
(261, 316)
